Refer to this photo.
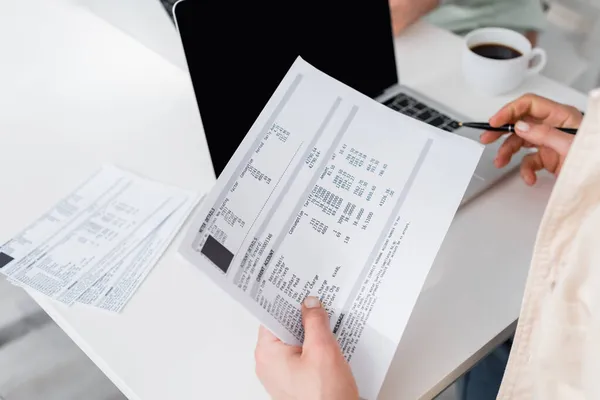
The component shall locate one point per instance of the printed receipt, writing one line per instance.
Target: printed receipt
(113, 291)
(333, 195)
(99, 242)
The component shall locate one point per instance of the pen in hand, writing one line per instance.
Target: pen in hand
(505, 128)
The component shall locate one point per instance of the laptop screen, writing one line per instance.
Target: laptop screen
(238, 53)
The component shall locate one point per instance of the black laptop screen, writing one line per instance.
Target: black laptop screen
(238, 52)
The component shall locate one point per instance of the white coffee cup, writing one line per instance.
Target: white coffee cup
(494, 76)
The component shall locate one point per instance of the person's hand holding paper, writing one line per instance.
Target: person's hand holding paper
(317, 370)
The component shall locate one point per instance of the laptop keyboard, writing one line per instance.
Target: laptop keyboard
(410, 106)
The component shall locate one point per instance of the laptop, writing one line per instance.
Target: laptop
(238, 52)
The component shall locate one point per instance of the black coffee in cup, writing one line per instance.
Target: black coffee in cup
(496, 51)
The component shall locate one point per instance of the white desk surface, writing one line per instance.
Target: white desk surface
(77, 92)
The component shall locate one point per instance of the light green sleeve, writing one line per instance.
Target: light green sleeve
(465, 15)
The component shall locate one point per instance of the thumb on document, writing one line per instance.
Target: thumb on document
(317, 334)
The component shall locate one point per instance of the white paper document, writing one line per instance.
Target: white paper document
(113, 226)
(334, 195)
(113, 291)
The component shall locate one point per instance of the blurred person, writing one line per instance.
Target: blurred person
(463, 16)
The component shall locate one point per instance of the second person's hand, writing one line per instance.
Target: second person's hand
(535, 118)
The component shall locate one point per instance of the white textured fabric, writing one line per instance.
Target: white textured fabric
(556, 351)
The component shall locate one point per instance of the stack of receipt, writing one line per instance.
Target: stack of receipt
(97, 245)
